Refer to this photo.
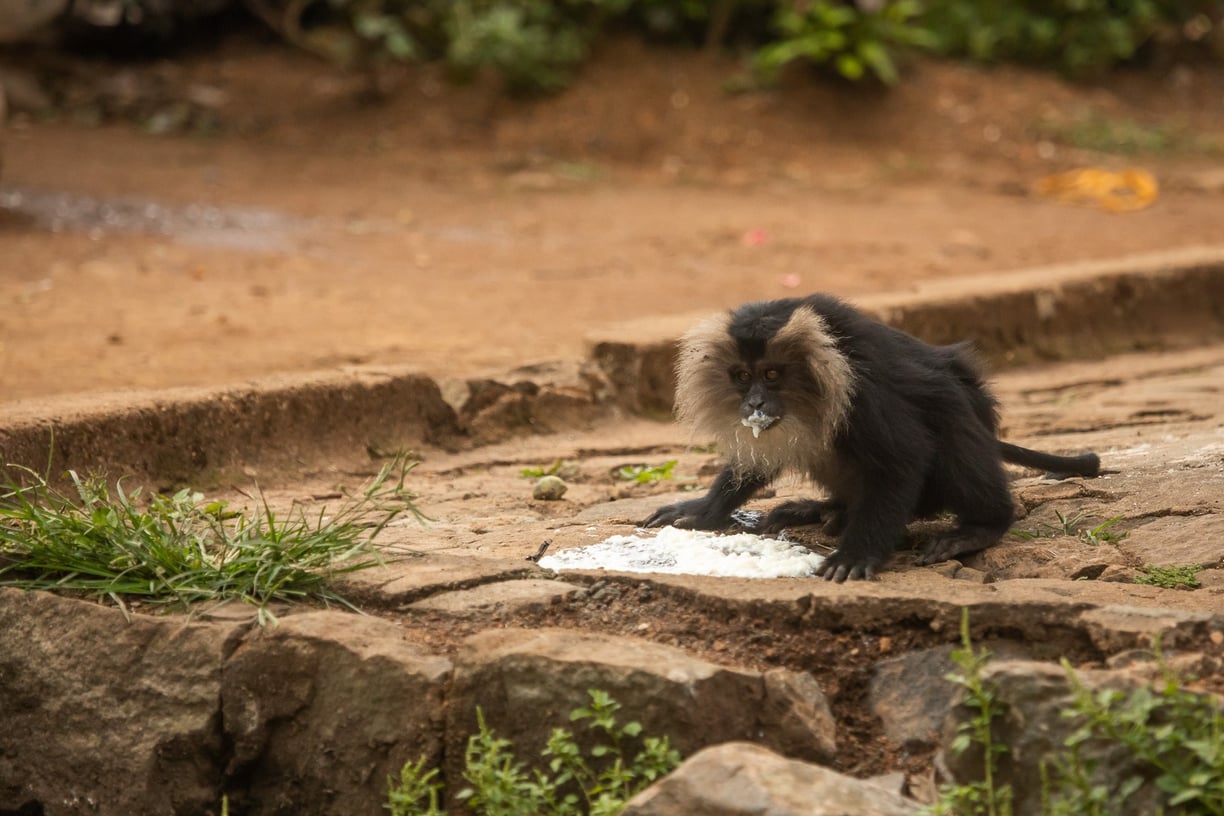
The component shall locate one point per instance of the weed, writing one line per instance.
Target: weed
(1172, 736)
(416, 785)
(646, 474)
(1178, 577)
(1071, 525)
(1162, 734)
(982, 797)
(182, 549)
(1100, 534)
(551, 470)
(500, 785)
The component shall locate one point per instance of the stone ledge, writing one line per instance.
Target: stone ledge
(1091, 309)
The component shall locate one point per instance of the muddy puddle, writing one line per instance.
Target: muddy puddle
(202, 225)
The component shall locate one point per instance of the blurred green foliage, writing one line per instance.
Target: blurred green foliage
(1078, 37)
(535, 45)
(852, 41)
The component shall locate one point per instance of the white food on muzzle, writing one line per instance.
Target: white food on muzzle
(758, 422)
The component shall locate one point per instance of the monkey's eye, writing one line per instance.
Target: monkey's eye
(772, 374)
(743, 375)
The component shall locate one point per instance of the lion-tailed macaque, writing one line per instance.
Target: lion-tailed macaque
(891, 427)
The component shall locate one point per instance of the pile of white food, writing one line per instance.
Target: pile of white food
(691, 552)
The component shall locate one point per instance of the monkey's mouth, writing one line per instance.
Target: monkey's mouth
(758, 421)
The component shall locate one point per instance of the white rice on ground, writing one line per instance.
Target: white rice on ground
(691, 552)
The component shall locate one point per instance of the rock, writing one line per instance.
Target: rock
(1065, 557)
(1112, 628)
(740, 778)
(1118, 574)
(911, 694)
(627, 511)
(320, 710)
(499, 597)
(402, 582)
(1177, 541)
(549, 488)
(527, 682)
(894, 782)
(638, 361)
(544, 398)
(108, 715)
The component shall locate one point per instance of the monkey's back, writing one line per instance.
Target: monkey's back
(898, 375)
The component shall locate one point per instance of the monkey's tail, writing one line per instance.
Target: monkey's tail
(1087, 464)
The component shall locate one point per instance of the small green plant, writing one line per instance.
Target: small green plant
(1175, 577)
(551, 470)
(853, 41)
(183, 549)
(417, 793)
(646, 474)
(1160, 735)
(1101, 533)
(982, 797)
(1071, 525)
(598, 783)
(1174, 738)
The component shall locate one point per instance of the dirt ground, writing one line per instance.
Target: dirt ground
(458, 230)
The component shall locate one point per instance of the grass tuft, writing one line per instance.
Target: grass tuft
(181, 549)
(1172, 577)
(646, 474)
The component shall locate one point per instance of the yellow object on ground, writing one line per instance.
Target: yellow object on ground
(1115, 191)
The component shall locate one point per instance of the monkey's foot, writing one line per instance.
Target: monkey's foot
(961, 541)
(806, 511)
(842, 565)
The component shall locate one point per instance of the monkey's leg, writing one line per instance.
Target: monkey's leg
(983, 506)
(713, 510)
(874, 524)
(830, 512)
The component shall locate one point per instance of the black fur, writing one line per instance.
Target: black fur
(919, 438)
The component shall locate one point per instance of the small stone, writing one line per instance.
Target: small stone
(975, 575)
(549, 488)
(1118, 574)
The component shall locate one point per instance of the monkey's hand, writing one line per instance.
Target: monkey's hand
(694, 514)
(842, 565)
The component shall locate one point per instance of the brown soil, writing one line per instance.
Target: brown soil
(457, 230)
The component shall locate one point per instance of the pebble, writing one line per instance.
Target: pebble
(549, 488)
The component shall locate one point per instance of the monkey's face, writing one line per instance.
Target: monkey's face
(771, 392)
(760, 387)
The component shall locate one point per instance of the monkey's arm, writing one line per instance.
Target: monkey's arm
(874, 523)
(713, 510)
